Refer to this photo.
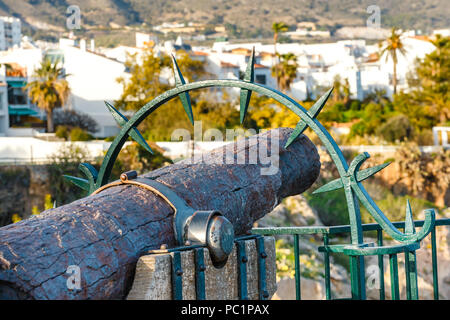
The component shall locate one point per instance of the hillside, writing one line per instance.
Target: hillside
(243, 18)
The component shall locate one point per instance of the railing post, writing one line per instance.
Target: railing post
(381, 265)
(357, 278)
(262, 256)
(434, 264)
(327, 268)
(242, 270)
(200, 269)
(412, 292)
(298, 295)
(177, 276)
(395, 291)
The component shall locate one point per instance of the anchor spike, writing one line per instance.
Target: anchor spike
(79, 182)
(313, 112)
(360, 176)
(245, 94)
(184, 97)
(409, 221)
(133, 133)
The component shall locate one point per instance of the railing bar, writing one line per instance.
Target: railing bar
(327, 268)
(242, 272)
(200, 274)
(381, 266)
(263, 294)
(395, 291)
(357, 274)
(434, 264)
(298, 295)
(412, 274)
(407, 274)
(338, 229)
(177, 276)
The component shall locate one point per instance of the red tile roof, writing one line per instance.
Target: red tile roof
(200, 53)
(260, 66)
(227, 65)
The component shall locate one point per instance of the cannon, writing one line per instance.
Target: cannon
(105, 233)
(192, 202)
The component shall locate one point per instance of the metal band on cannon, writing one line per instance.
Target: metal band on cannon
(192, 227)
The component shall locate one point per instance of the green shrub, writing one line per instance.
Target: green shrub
(355, 105)
(78, 134)
(397, 128)
(62, 132)
(330, 206)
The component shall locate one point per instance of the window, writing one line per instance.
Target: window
(16, 95)
(260, 78)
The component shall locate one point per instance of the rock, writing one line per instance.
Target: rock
(310, 289)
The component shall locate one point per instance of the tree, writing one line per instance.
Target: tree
(144, 85)
(393, 46)
(428, 101)
(433, 75)
(50, 90)
(74, 119)
(285, 71)
(278, 27)
(337, 88)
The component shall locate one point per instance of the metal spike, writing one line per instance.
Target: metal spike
(313, 112)
(245, 94)
(184, 97)
(133, 133)
(79, 182)
(367, 173)
(330, 186)
(409, 221)
(360, 176)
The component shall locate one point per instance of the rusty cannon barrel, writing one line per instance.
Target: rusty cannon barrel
(102, 236)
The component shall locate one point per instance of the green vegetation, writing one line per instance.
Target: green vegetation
(135, 157)
(78, 134)
(50, 90)
(332, 206)
(285, 260)
(285, 71)
(393, 47)
(249, 20)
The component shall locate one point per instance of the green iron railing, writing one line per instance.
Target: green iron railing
(379, 250)
(350, 176)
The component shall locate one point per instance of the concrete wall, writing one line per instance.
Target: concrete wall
(33, 150)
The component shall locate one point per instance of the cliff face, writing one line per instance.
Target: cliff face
(22, 188)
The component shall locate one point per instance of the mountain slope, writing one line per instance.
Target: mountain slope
(250, 17)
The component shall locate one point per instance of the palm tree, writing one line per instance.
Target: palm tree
(285, 71)
(393, 45)
(50, 90)
(278, 27)
(337, 88)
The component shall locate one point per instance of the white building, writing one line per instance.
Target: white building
(4, 121)
(10, 33)
(93, 79)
